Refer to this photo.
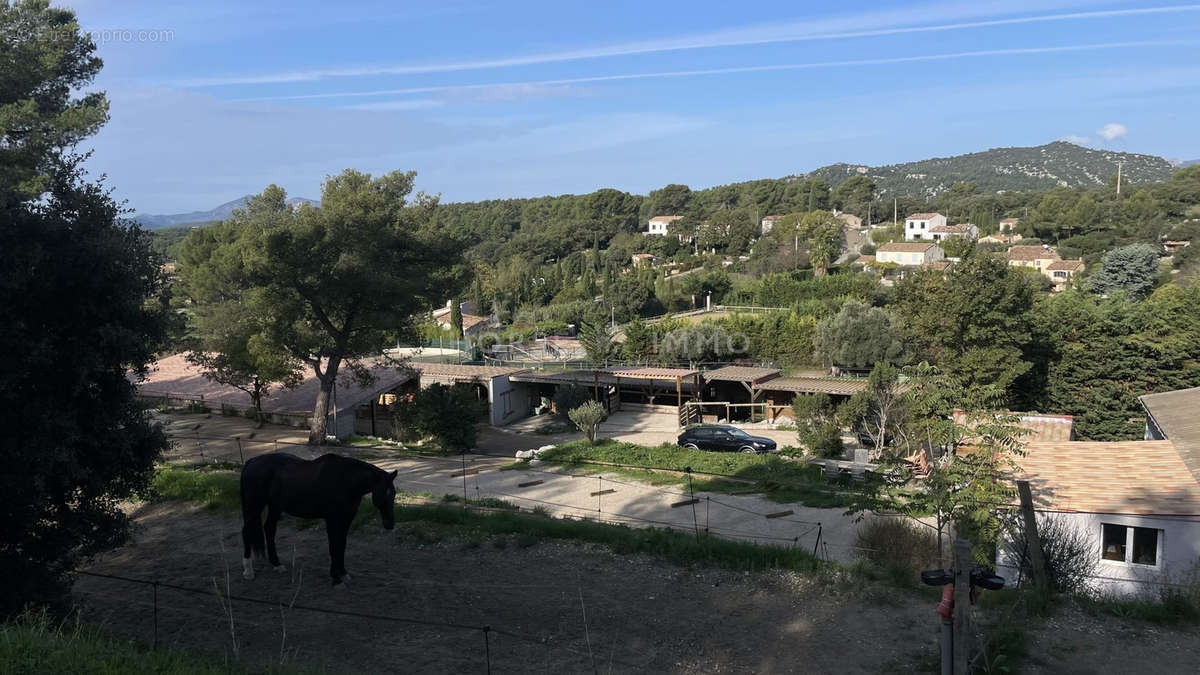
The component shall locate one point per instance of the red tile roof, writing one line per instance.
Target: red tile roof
(1067, 265)
(1025, 253)
(1139, 477)
(906, 247)
(922, 216)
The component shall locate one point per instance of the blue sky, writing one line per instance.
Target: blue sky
(214, 100)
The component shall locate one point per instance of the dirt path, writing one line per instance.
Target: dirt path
(643, 615)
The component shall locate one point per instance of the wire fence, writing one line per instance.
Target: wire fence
(487, 633)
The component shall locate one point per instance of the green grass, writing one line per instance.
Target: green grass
(1171, 609)
(777, 478)
(216, 490)
(33, 643)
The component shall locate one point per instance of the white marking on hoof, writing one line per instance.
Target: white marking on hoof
(280, 568)
(247, 568)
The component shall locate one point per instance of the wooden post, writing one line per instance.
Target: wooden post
(596, 384)
(962, 607)
(1037, 559)
(618, 392)
(373, 433)
(679, 392)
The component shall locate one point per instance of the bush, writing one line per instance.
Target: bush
(1069, 552)
(569, 398)
(898, 544)
(448, 414)
(588, 418)
(818, 428)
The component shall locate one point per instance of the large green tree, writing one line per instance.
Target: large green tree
(859, 336)
(975, 321)
(76, 297)
(1132, 270)
(335, 284)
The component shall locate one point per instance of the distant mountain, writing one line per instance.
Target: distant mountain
(1189, 162)
(222, 212)
(1037, 168)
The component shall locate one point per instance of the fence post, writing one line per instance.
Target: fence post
(154, 641)
(962, 606)
(818, 541)
(241, 456)
(487, 648)
(1032, 540)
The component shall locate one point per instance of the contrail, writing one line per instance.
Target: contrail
(738, 69)
(702, 42)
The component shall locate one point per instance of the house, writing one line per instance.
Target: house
(1038, 427)
(909, 253)
(661, 224)
(1037, 257)
(1062, 271)
(1170, 247)
(1009, 225)
(507, 400)
(1001, 239)
(472, 325)
(642, 259)
(768, 223)
(1133, 503)
(920, 225)
(962, 230)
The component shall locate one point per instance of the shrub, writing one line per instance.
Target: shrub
(448, 414)
(818, 428)
(569, 398)
(1069, 552)
(899, 544)
(588, 417)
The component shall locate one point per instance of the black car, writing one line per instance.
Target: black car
(723, 438)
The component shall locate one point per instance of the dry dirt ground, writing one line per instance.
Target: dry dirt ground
(642, 614)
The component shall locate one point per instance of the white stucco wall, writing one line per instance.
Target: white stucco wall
(510, 401)
(1178, 554)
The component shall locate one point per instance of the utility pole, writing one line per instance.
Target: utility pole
(895, 207)
(1036, 557)
(1119, 177)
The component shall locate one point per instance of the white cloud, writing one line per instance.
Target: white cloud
(1077, 140)
(540, 87)
(868, 24)
(1112, 131)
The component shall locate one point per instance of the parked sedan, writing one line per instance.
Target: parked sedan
(721, 438)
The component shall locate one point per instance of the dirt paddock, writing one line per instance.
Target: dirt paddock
(642, 614)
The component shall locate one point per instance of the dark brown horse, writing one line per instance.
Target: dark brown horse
(329, 487)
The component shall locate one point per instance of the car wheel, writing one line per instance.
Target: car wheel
(690, 446)
(747, 450)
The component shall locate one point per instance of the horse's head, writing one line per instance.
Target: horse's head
(383, 495)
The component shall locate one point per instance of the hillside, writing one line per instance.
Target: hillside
(1036, 168)
(222, 212)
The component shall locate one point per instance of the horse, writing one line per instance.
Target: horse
(329, 487)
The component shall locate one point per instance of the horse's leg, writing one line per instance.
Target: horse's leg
(273, 515)
(336, 528)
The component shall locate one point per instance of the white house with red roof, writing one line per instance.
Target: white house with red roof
(920, 226)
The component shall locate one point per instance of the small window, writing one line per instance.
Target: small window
(1136, 545)
(1114, 542)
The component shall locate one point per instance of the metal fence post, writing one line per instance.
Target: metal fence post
(962, 606)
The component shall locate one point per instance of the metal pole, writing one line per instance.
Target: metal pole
(947, 648)
(962, 607)
(1032, 541)
(240, 455)
(155, 642)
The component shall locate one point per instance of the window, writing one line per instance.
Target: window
(1136, 545)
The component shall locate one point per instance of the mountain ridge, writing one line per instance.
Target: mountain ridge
(1015, 168)
(220, 212)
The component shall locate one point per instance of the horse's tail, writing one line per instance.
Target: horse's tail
(253, 539)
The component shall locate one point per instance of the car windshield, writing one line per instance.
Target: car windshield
(737, 433)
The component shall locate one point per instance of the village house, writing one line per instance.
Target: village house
(909, 254)
(962, 230)
(920, 226)
(768, 223)
(1000, 238)
(1062, 271)
(659, 225)
(1134, 502)
(642, 259)
(472, 325)
(1171, 246)
(1037, 257)
(1009, 225)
